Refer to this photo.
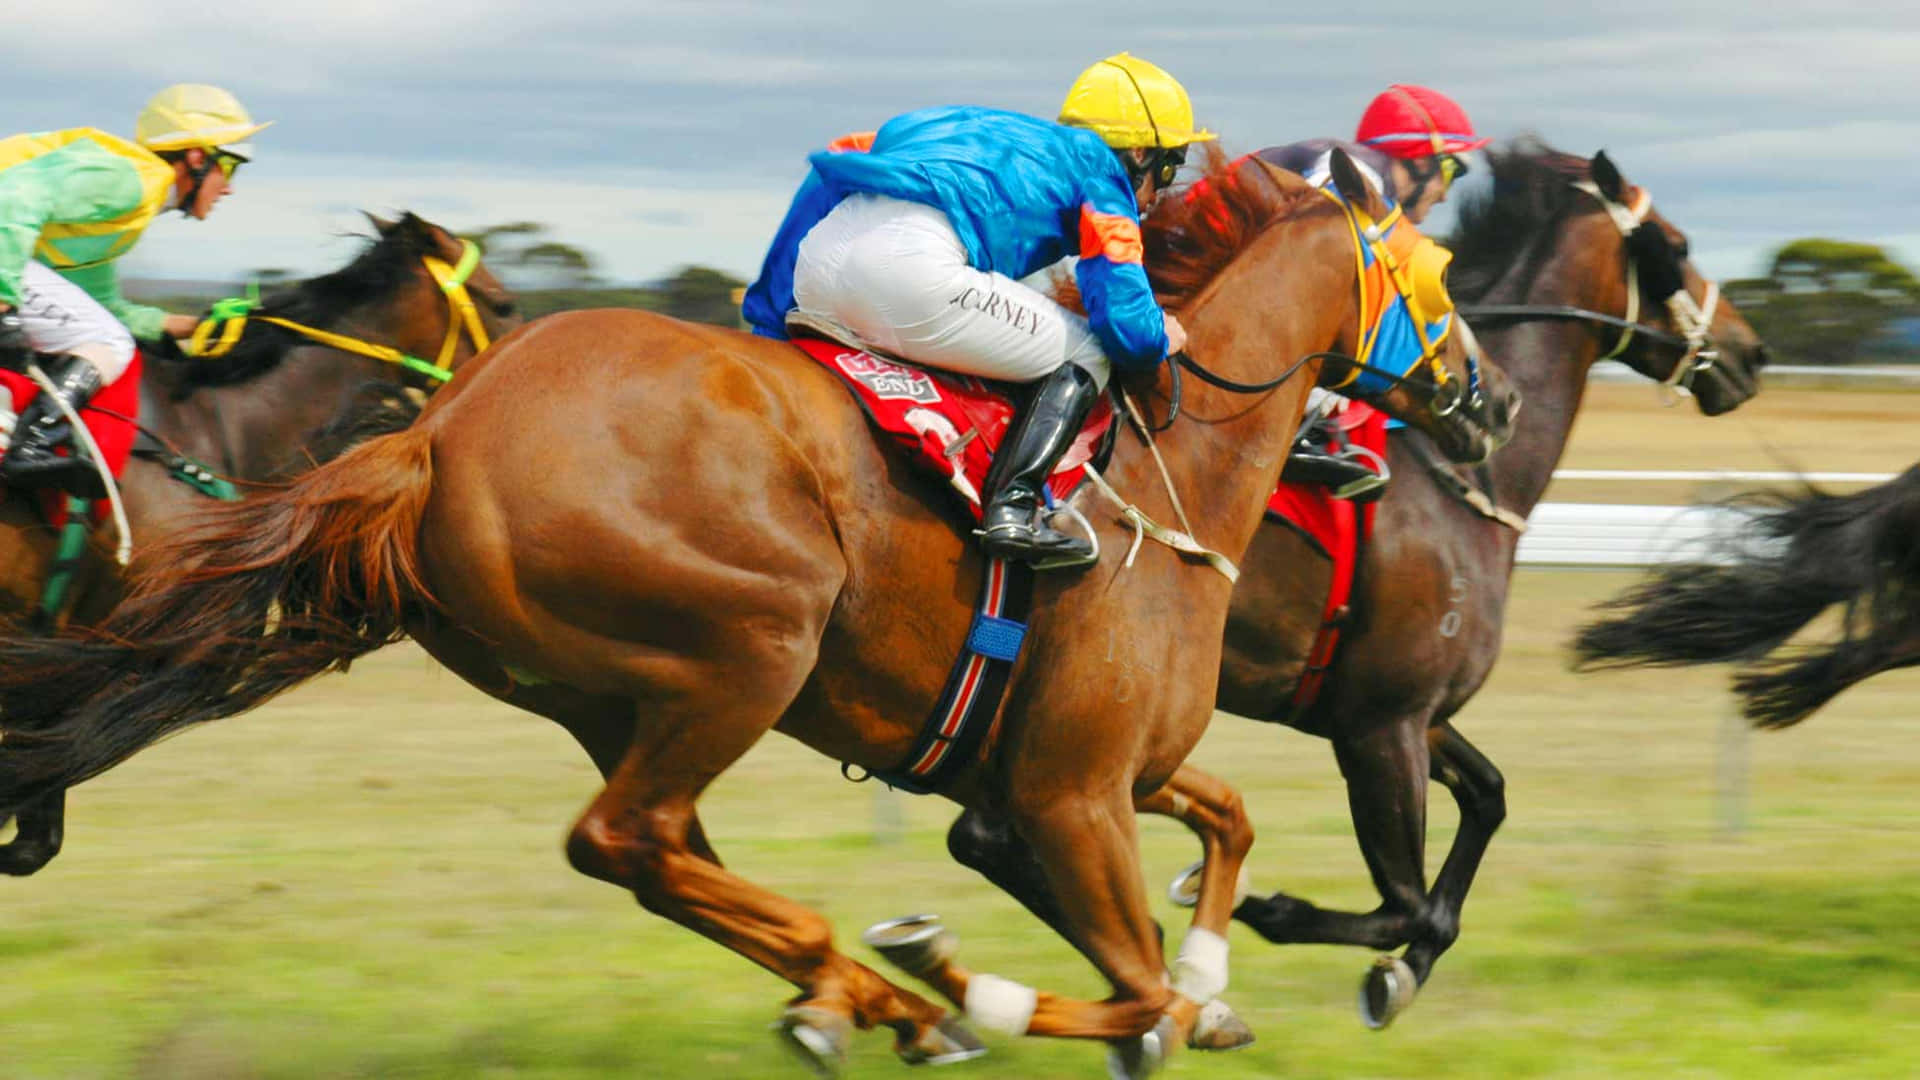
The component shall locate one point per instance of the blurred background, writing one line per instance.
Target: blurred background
(365, 878)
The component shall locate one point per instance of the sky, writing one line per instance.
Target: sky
(656, 133)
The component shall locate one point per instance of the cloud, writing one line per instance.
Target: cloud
(661, 132)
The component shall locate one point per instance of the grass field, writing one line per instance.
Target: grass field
(364, 879)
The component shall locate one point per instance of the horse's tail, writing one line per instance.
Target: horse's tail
(249, 600)
(1797, 555)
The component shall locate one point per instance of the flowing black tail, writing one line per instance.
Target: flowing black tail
(251, 599)
(1795, 556)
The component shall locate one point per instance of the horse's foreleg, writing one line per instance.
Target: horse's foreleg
(39, 828)
(1480, 791)
(991, 847)
(1214, 810)
(1088, 850)
(1386, 773)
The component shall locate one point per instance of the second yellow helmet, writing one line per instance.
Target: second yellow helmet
(1130, 102)
(193, 114)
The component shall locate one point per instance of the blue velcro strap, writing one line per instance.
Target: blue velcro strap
(996, 638)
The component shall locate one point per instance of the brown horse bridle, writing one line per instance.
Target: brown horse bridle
(1693, 318)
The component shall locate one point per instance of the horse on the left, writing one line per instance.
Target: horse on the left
(283, 394)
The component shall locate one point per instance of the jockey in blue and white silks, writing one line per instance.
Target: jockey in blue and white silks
(915, 244)
(1017, 194)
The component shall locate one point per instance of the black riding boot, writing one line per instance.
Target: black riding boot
(1344, 477)
(1039, 434)
(30, 461)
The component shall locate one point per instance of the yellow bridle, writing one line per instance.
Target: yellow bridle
(216, 336)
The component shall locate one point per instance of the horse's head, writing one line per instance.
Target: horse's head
(1695, 342)
(1410, 353)
(448, 306)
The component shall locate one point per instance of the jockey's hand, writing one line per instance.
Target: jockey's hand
(179, 326)
(1176, 336)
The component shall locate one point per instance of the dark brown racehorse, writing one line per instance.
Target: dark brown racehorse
(1792, 557)
(1547, 266)
(673, 538)
(272, 406)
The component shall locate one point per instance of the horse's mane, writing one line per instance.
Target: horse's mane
(381, 269)
(1532, 188)
(1195, 230)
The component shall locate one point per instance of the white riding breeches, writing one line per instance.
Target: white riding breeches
(59, 317)
(895, 274)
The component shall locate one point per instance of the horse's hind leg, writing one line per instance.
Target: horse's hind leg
(39, 828)
(642, 832)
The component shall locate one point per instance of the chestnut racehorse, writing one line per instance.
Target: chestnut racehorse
(673, 538)
(269, 406)
(1548, 266)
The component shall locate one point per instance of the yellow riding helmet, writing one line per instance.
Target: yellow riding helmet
(186, 115)
(1129, 103)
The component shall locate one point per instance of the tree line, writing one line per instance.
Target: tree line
(1821, 301)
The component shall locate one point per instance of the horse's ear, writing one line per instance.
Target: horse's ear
(1352, 186)
(380, 224)
(418, 232)
(1606, 177)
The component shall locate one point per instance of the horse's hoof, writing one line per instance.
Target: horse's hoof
(1386, 991)
(945, 1043)
(820, 1038)
(917, 944)
(1140, 1057)
(1185, 890)
(1219, 1028)
(22, 861)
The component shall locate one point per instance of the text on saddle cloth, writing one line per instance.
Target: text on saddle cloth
(949, 423)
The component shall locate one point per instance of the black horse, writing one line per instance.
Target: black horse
(275, 404)
(1791, 557)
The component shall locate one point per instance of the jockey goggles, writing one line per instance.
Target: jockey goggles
(228, 162)
(1163, 164)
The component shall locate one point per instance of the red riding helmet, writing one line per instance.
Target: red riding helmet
(1414, 122)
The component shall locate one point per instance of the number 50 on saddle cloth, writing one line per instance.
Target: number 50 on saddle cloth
(950, 423)
(111, 417)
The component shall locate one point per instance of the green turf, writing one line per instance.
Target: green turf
(364, 879)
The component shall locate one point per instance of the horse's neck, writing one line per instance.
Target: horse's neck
(1225, 453)
(250, 430)
(1548, 361)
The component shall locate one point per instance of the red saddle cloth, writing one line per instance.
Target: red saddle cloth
(949, 423)
(110, 416)
(1339, 529)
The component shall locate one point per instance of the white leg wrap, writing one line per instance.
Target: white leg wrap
(1200, 971)
(1001, 1005)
